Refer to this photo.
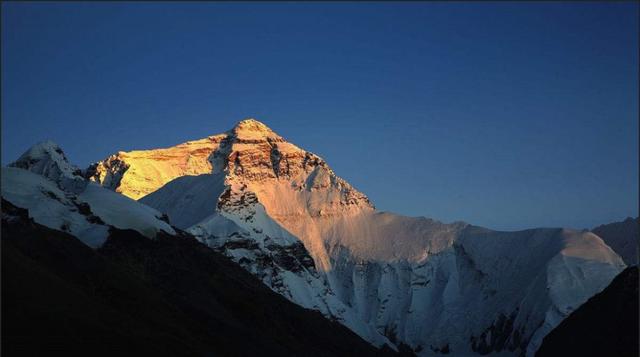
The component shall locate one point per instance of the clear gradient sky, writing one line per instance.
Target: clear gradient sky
(508, 115)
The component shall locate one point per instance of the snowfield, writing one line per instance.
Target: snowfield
(49, 206)
(123, 212)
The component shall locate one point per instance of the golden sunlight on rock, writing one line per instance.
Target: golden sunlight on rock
(138, 173)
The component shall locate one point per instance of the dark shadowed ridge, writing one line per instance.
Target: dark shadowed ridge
(606, 325)
(622, 237)
(135, 296)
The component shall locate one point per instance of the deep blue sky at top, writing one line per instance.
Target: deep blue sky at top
(507, 115)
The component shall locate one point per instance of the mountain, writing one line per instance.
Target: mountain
(410, 282)
(606, 325)
(57, 196)
(622, 237)
(86, 270)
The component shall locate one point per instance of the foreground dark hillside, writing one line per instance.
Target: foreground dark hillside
(606, 325)
(169, 296)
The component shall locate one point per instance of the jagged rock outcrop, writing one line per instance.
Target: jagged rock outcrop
(138, 173)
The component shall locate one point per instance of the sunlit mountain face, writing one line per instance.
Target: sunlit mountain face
(411, 283)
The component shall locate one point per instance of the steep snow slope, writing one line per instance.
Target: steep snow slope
(51, 207)
(606, 325)
(44, 182)
(189, 199)
(123, 212)
(284, 215)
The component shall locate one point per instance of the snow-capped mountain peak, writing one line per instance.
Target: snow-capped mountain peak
(46, 158)
(251, 128)
(57, 195)
(284, 215)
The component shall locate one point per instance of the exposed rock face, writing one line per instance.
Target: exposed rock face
(295, 187)
(413, 282)
(138, 173)
(250, 150)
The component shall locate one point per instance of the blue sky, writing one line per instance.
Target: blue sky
(509, 115)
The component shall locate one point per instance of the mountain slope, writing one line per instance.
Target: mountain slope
(623, 237)
(167, 296)
(57, 196)
(606, 325)
(284, 215)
